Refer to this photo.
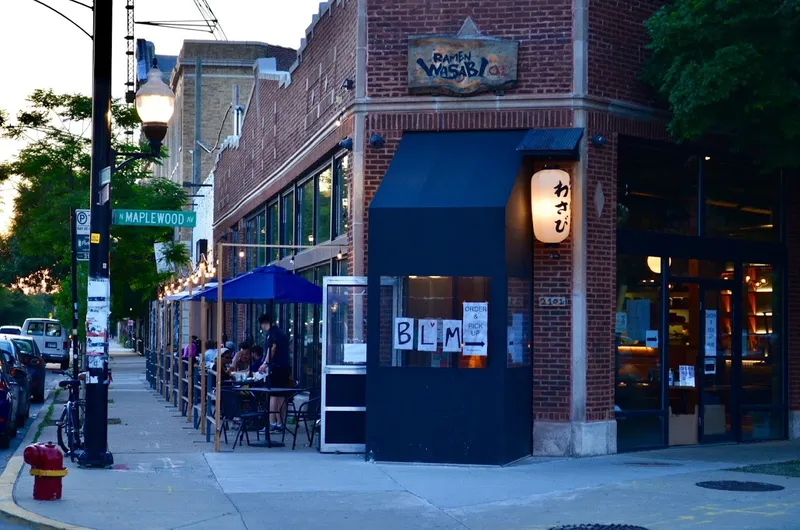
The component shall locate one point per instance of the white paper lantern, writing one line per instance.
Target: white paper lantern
(654, 264)
(551, 197)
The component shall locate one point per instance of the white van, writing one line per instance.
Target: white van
(51, 337)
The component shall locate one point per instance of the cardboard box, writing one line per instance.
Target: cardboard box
(683, 428)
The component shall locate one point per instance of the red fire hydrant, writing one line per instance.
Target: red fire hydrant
(47, 466)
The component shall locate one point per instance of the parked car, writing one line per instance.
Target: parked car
(51, 337)
(10, 330)
(8, 402)
(34, 363)
(12, 355)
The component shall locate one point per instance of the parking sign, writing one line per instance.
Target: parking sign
(82, 221)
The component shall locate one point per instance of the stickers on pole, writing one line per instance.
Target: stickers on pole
(476, 328)
(97, 309)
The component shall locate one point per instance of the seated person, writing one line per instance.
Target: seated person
(241, 361)
(227, 359)
(210, 354)
(257, 358)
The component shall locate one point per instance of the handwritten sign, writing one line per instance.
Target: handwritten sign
(476, 328)
(460, 66)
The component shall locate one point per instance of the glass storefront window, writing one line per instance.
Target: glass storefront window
(761, 344)
(656, 187)
(519, 322)
(305, 213)
(250, 237)
(287, 222)
(741, 202)
(637, 330)
(341, 199)
(325, 192)
(347, 327)
(698, 268)
(638, 379)
(431, 313)
(274, 230)
(262, 239)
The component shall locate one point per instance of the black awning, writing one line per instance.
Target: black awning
(441, 206)
(552, 143)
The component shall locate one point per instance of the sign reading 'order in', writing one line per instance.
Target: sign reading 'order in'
(155, 218)
(469, 335)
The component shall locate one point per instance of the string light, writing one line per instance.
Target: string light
(241, 253)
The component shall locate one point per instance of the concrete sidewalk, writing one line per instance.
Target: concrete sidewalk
(166, 477)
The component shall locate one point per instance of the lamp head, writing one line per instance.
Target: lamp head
(155, 103)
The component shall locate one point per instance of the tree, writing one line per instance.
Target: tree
(730, 67)
(54, 171)
(16, 306)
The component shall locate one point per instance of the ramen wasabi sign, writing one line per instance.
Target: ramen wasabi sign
(155, 218)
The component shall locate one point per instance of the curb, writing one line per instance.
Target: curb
(9, 509)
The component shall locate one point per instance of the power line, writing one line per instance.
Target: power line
(62, 15)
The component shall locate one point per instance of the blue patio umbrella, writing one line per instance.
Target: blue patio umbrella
(266, 283)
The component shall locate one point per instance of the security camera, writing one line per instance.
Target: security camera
(598, 140)
(376, 141)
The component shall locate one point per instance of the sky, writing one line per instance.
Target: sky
(39, 49)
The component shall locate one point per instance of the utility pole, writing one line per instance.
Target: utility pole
(73, 236)
(95, 452)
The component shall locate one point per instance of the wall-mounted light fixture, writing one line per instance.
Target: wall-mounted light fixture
(348, 84)
(550, 205)
(347, 143)
(598, 140)
(376, 141)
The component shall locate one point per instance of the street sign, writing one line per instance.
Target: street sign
(105, 176)
(155, 218)
(475, 328)
(82, 221)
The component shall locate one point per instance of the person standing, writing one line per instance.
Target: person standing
(276, 358)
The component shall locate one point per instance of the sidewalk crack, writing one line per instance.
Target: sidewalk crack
(426, 501)
(241, 517)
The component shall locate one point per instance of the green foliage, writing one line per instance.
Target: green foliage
(54, 169)
(15, 306)
(729, 67)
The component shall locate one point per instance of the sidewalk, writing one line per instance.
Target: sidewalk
(167, 477)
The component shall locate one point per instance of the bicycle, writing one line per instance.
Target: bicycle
(70, 426)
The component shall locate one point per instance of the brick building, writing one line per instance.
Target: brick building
(618, 337)
(223, 66)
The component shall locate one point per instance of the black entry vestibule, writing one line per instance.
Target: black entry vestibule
(450, 227)
(701, 309)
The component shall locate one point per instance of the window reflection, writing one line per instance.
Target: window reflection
(437, 302)
(325, 189)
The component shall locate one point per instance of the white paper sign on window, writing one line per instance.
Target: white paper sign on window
(686, 375)
(427, 333)
(711, 332)
(476, 328)
(451, 335)
(403, 334)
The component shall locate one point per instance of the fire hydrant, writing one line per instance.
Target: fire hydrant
(47, 466)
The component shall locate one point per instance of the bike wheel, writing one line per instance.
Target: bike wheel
(74, 432)
(62, 427)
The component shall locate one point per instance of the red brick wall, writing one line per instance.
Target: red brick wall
(543, 28)
(617, 49)
(552, 356)
(279, 120)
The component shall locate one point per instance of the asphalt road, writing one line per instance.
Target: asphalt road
(51, 381)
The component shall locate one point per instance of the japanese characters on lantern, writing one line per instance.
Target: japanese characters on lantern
(550, 205)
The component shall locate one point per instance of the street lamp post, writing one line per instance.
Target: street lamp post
(155, 103)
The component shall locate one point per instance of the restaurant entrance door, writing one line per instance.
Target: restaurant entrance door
(704, 360)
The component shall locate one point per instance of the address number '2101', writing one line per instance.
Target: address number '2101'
(552, 301)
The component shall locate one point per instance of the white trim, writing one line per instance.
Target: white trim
(579, 224)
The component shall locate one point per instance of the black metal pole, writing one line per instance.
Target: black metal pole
(95, 453)
(73, 236)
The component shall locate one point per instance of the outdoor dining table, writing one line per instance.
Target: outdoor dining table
(269, 392)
